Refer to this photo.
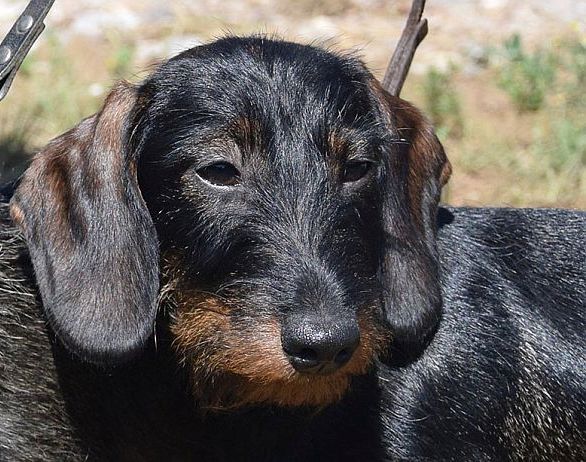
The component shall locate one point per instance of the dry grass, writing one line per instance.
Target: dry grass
(509, 158)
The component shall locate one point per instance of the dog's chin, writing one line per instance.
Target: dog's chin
(228, 391)
(234, 366)
(236, 363)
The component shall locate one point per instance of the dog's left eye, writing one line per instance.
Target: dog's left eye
(355, 170)
(220, 174)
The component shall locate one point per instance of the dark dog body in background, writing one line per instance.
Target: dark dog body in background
(295, 211)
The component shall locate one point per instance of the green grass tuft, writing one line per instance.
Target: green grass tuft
(526, 77)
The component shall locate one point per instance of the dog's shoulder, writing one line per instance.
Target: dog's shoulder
(548, 228)
(542, 252)
(511, 335)
(14, 280)
(527, 266)
(32, 418)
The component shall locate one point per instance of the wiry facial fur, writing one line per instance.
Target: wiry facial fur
(292, 239)
(237, 362)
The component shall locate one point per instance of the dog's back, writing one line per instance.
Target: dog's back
(505, 371)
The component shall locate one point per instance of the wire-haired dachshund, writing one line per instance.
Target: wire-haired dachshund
(243, 258)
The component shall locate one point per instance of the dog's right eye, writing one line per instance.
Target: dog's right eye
(220, 174)
(355, 170)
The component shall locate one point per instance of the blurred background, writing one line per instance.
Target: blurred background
(504, 81)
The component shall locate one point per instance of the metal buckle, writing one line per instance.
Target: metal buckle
(19, 41)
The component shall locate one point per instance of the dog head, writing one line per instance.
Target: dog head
(292, 201)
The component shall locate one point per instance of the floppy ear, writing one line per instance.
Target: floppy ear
(91, 239)
(416, 168)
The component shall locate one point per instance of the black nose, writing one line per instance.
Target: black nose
(318, 347)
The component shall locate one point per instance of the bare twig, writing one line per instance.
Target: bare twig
(414, 32)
